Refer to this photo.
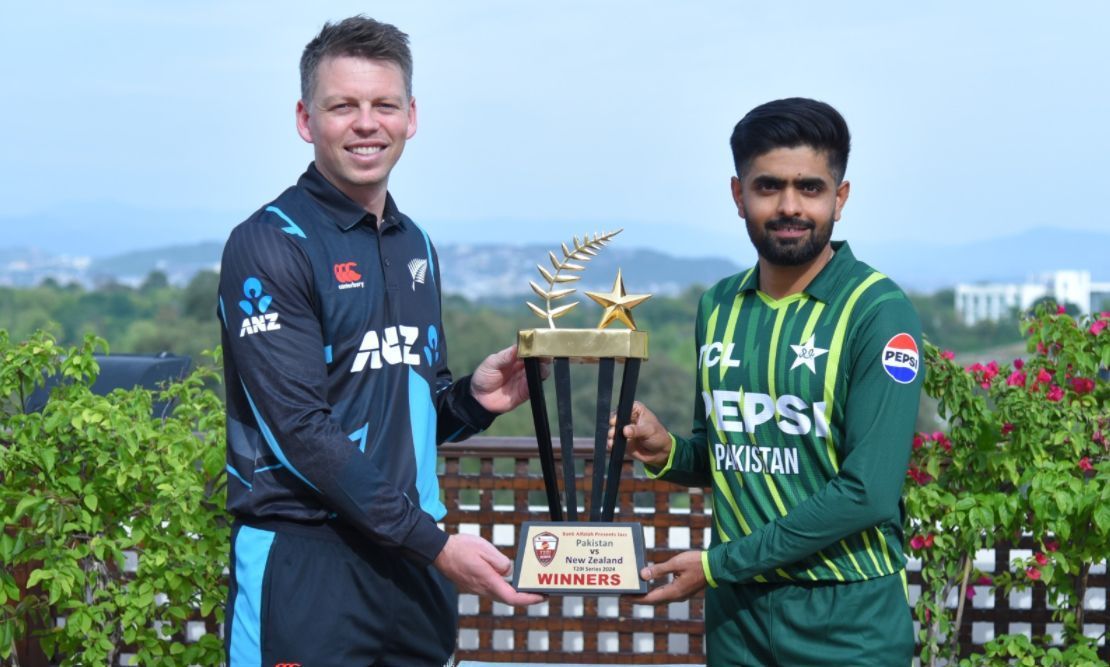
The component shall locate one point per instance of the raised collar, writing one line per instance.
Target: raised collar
(824, 285)
(344, 211)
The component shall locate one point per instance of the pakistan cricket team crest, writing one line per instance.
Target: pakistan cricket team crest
(544, 546)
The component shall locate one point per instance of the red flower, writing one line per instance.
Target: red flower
(1083, 385)
(1044, 377)
(918, 441)
(943, 441)
(1033, 573)
(1016, 379)
(1060, 310)
(1019, 364)
(918, 475)
(1055, 394)
(1041, 559)
(1085, 464)
(1007, 428)
(985, 580)
(948, 354)
(917, 543)
(1041, 349)
(1051, 545)
(1098, 326)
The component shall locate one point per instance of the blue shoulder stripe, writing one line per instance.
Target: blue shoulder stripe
(293, 228)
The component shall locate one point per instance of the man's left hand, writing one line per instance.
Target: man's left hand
(689, 578)
(499, 383)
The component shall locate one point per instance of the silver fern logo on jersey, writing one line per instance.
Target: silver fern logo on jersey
(418, 268)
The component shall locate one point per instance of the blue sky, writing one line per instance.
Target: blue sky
(542, 120)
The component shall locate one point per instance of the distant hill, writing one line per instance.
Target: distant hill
(481, 271)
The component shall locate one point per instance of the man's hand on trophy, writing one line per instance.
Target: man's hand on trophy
(476, 566)
(689, 578)
(648, 440)
(499, 383)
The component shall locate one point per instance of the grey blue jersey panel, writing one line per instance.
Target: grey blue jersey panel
(335, 360)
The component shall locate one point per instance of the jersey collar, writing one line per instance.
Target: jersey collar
(824, 286)
(342, 210)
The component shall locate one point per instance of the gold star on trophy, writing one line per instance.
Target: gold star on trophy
(618, 304)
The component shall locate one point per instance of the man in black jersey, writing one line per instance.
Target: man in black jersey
(338, 392)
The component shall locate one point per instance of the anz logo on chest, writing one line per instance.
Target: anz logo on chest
(392, 345)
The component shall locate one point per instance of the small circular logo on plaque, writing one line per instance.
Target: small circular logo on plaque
(544, 546)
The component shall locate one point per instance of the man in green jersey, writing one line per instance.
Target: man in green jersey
(808, 379)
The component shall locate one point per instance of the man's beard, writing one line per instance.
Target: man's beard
(790, 252)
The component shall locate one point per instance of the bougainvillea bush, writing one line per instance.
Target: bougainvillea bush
(1026, 453)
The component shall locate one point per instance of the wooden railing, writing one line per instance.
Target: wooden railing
(492, 485)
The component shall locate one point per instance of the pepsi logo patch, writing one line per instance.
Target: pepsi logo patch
(901, 359)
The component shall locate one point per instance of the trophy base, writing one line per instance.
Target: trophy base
(580, 558)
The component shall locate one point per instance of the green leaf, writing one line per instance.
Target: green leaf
(91, 502)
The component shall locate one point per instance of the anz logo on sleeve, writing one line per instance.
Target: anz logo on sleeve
(256, 305)
(395, 345)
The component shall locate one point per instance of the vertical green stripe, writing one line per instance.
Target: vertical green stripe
(836, 347)
(852, 557)
(886, 552)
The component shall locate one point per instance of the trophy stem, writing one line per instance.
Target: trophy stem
(624, 415)
(543, 436)
(566, 435)
(601, 433)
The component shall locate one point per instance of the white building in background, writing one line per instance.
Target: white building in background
(993, 301)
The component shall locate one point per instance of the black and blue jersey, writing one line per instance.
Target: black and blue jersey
(338, 390)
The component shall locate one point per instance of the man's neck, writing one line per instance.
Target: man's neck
(781, 281)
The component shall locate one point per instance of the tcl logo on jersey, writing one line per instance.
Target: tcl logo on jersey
(900, 358)
(716, 353)
(347, 275)
(743, 411)
(256, 300)
(393, 346)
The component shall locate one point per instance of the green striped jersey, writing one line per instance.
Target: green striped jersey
(803, 424)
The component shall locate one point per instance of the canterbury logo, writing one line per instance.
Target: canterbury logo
(345, 272)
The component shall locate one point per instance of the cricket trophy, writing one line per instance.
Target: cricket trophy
(567, 555)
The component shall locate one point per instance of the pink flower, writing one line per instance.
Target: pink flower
(1041, 349)
(1019, 364)
(1055, 394)
(970, 592)
(1051, 545)
(1033, 573)
(943, 441)
(917, 543)
(1016, 379)
(1044, 377)
(1083, 385)
(985, 580)
(1097, 327)
(1098, 438)
(948, 354)
(1085, 464)
(1007, 428)
(1060, 310)
(918, 441)
(1041, 559)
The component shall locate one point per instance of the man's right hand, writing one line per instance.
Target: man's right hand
(648, 440)
(476, 566)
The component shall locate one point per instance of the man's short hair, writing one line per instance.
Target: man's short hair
(360, 37)
(790, 123)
